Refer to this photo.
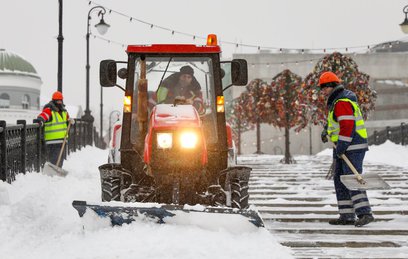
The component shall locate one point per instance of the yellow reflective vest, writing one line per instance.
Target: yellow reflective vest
(57, 127)
(333, 127)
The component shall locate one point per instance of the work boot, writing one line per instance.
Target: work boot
(364, 220)
(342, 221)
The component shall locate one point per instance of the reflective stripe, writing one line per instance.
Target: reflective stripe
(362, 204)
(360, 127)
(46, 115)
(345, 202)
(345, 211)
(346, 117)
(58, 130)
(344, 138)
(357, 146)
(57, 123)
(54, 141)
(359, 196)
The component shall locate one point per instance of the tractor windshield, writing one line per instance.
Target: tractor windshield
(189, 78)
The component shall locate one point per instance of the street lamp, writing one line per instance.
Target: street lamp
(102, 28)
(404, 24)
(60, 39)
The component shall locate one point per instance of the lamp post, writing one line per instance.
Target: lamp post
(110, 121)
(404, 24)
(60, 39)
(102, 28)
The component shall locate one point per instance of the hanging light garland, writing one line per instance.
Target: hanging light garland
(258, 47)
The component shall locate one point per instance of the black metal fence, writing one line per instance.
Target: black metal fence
(398, 135)
(22, 146)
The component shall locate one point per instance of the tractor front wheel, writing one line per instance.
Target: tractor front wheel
(239, 193)
(111, 189)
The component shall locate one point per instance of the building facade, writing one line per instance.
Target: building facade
(20, 88)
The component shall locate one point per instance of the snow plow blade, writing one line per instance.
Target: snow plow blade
(120, 213)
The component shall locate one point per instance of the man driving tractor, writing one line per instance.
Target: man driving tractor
(182, 86)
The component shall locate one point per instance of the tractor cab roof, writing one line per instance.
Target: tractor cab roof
(173, 48)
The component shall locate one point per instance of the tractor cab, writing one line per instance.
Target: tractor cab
(154, 76)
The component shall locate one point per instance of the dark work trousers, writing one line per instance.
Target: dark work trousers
(350, 203)
(53, 151)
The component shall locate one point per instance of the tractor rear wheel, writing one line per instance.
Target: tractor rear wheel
(239, 193)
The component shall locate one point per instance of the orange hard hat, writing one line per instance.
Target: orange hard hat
(57, 96)
(328, 77)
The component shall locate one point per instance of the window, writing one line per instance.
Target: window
(26, 102)
(165, 72)
(4, 100)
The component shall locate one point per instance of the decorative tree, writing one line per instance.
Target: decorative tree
(284, 108)
(347, 70)
(236, 119)
(252, 109)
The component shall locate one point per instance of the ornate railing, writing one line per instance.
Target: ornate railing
(22, 146)
(398, 135)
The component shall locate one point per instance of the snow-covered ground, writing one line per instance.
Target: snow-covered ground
(387, 153)
(38, 221)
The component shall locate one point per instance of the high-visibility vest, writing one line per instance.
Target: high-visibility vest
(57, 127)
(333, 127)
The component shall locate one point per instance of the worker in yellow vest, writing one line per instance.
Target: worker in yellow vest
(55, 119)
(345, 127)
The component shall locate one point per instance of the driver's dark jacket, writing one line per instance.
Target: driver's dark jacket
(193, 91)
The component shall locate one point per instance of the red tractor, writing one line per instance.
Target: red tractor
(174, 151)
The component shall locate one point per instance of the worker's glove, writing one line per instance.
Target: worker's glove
(324, 135)
(339, 155)
(72, 121)
(39, 121)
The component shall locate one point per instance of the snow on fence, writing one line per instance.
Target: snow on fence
(398, 135)
(22, 146)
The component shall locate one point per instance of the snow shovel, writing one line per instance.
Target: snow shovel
(51, 169)
(370, 181)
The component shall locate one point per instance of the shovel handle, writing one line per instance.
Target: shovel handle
(353, 169)
(63, 144)
(351, 166)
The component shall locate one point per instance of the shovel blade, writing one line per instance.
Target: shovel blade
(371, 182)
(51, 170)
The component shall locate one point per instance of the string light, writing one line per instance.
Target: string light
(302, 50)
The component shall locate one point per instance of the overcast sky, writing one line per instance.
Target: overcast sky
(29, 28)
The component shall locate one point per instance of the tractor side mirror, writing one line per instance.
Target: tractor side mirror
(107, 73)
(239, 72)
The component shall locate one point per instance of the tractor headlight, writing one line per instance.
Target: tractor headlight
(188, 139)
(164, 140)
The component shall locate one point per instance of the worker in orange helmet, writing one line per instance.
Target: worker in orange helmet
(54, 117)
(345, 127)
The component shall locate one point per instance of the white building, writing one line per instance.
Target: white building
(19, 88)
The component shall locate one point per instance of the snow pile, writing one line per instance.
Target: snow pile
(38, 221)
(387, 153)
